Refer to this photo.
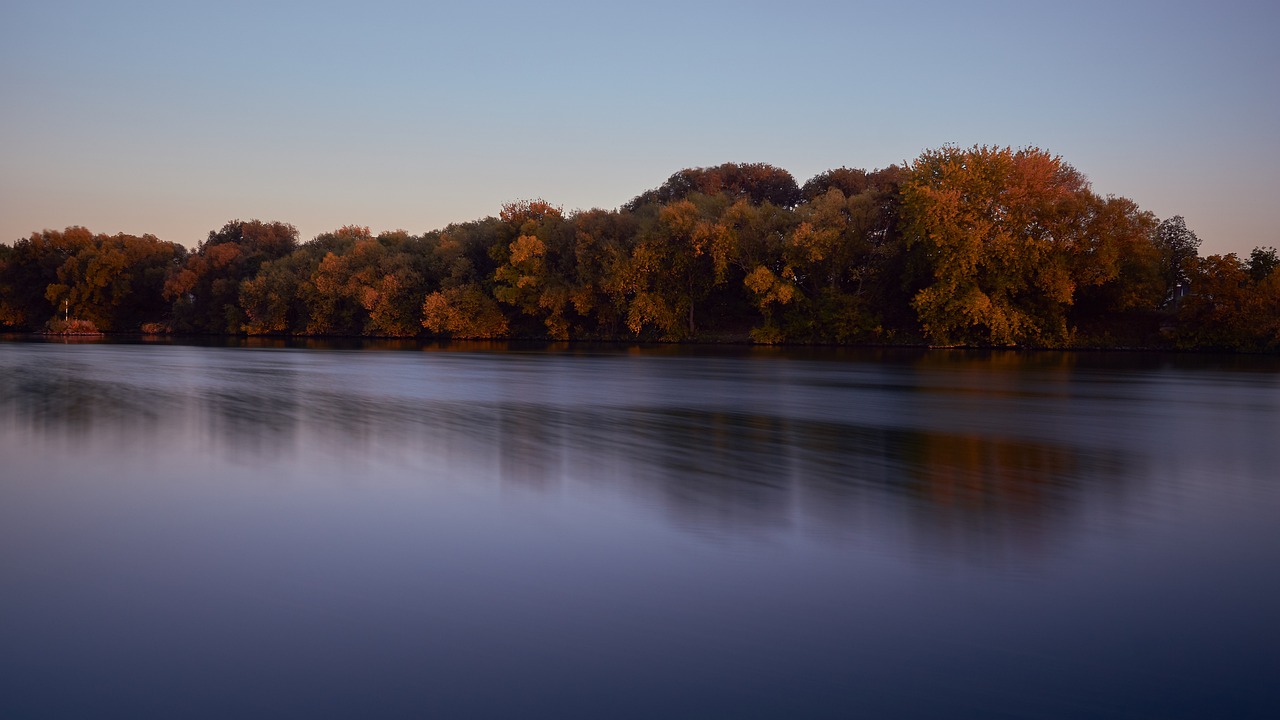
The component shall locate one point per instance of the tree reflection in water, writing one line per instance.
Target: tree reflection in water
(726, 533)
(921, 446)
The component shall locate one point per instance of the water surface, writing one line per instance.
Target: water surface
(191, 531)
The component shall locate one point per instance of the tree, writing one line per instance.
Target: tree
(206, 290)
(602, 241)
(748, 237)
(537, 267)
(272, 300)
(29, 268)
(464, 306)
(1178, 247)
(6, 261)
(839, 254)
(849, 181)
(677, 260)
(1229, 310)
(116, 282)
(1117, 271)
(521, 213)
(755, 182)
(771, 293)
(1263, 261)
(463, 312)
(998, 229)
(368, 285)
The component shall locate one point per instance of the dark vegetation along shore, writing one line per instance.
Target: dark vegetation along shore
(981, 246)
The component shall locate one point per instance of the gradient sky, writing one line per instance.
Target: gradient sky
(173, 118)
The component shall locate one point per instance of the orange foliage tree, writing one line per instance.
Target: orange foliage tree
(998, 229)
(206, 290)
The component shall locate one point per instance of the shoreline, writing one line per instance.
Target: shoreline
(533, 342)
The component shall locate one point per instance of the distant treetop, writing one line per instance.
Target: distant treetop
(757, 182)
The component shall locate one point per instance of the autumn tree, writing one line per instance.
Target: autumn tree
(1229, 309)
(679, 256)
(333, 302)
(367, 285)
(116, 282)
(281, 296)
(746, 251)
(404, 274)
(1116, 268)
(345, 282)
(536, 268)
(27, 271)
(849, 181)
(982, 246)
(755, 182)
(839, 259)
(998, 229)
(602, 241)
(463, 312)
(463, 306)
(272, 300)
(206, 289)
(6, 253)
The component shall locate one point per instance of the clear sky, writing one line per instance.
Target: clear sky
(173, 117)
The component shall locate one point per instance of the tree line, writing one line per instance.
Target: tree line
(981, 246)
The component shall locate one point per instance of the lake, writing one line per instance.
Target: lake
(282, 530)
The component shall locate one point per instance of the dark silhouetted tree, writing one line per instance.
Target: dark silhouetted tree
(1178, 247)
(1263, 261)
(756, 182)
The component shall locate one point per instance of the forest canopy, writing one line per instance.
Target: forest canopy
(983, 246)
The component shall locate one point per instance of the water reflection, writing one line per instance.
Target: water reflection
(970, 452)
(583, 532)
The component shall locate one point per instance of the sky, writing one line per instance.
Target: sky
(173, 118)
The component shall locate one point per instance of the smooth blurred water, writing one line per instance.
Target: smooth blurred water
(193, 531)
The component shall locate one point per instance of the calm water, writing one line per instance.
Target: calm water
(284, 532)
